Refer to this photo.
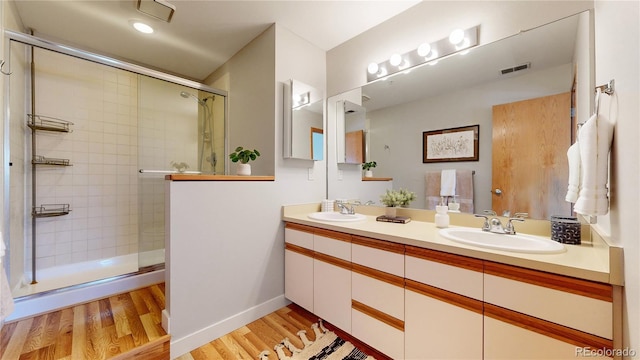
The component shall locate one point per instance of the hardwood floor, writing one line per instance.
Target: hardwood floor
(128, 326)
(250, 340)
(123, 326)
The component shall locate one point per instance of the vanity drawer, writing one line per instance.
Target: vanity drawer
(579, 304)
(382, 331)
(454, 273)
(378, 254)
(299, 235)
(381, 291)
(332, 243)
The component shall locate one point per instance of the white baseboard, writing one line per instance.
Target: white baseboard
(195, 340)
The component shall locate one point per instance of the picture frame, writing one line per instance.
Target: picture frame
(449, 145)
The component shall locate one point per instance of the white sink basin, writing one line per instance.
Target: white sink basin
(514, 243)
(336, 216)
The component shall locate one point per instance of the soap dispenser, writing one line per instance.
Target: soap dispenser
(442, 217)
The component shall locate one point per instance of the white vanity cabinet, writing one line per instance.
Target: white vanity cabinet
(317, 272)
(410, 302)
(377, 305)
(532, 314)
(332, 277)
(443, 305)
(298, 265)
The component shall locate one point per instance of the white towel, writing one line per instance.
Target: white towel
(595, 142)
(573, 156)
(448, 182)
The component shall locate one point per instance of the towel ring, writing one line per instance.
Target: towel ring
(608, 88)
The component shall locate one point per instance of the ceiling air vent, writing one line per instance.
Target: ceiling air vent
(515, 68)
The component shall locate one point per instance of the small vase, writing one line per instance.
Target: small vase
(368, 173)
(243, 169)
(390, 211)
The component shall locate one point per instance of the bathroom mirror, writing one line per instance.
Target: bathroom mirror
(303, 119)
(461, 91)
(351, 134)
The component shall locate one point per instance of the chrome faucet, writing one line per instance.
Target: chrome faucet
(346, 208)
(493, 224)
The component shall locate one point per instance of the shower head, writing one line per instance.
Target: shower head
(187, 95)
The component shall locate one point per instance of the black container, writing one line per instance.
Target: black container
(565, 229)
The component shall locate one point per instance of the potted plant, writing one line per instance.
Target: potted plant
(367, 166)
(394, 198)
(244, 156)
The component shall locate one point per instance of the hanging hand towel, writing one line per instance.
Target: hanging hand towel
(573, 156)
(595, 142)
(448, 182)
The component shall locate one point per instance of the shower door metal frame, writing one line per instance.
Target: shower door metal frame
(34, 41)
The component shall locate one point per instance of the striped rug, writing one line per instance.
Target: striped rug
(327, 346)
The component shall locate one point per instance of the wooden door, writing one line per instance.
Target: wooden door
(354, 147)
(529, 161)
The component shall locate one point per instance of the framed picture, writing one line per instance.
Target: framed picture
(455, 144)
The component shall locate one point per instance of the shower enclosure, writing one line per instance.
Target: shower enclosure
(88, 141)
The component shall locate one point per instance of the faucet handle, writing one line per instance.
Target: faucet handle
(490, 212)
(486, 225)
(517, 217)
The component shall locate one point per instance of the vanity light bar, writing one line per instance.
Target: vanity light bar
(459, 41)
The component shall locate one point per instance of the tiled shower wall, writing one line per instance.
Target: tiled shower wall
(101, 187)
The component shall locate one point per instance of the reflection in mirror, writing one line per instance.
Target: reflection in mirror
(463, 90)
(303, 118)
(352, 136)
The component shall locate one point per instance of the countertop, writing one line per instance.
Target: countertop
(594, 260)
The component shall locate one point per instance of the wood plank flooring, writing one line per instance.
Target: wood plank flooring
(122, 326)
(128, 326)
(250, 340)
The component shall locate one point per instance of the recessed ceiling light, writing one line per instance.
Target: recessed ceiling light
(142, 27)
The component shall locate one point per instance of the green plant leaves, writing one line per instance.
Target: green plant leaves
(244, 155)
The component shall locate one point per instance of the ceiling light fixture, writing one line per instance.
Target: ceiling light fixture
(460, 41)
(158, 9)
(142, 27)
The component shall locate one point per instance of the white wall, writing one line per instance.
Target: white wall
(226, 243)
(248, 77)
(620, 60)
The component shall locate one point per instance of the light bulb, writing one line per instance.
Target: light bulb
(372, 68)
(456, 36)
(424, 49)
(395, 60)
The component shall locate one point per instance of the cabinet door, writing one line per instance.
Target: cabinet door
(513, 335)
(504, 340)
(298, 265)
(298, 276)
(332, 291)
(440, 324)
